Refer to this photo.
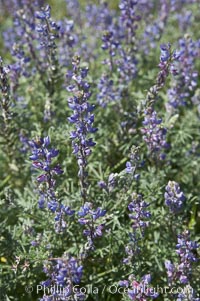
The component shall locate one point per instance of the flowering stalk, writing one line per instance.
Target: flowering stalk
(74, 11)
(111, 44)
(66, 42)
(126, 177)
(154, 133)
(48, 32)
(182, 272)
(133, 164)
(5, 95)
(129, 18)
(174, 197)
(186, 81)
(139, 290)
(119, 41)
(107, 91)
(83, 119)
(42, 157)
(167, 66)
(139, 216)
(154, 30)
(127, 63)
(32, 41)
(6, 112)
(89, 217)
(19, 40)
(37, 33)
(63, 274)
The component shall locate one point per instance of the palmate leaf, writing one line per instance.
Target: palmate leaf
(193, 218)
(172, 121)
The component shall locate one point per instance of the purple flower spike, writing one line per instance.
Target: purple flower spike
(44, 14)
(139, 290)
(182, 271)
(154, 134)
(89, 219)
(165, 52)
(174, 197)
(42, 152)
(64, 273)
(83, 120)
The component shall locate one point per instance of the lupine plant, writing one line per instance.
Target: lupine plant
(182, 272)
(100, 150)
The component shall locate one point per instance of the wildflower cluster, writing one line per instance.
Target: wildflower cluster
(107, 91)
(126, 66)
(174, 197)
(154, 133)
(67, 40)
(5, 92)
(63, 273)
(83, 120)
(186, 81)
(42, 157)
(140, 220)
(88, 218)
(110, 44)
(20, 41)
(139, 290)
(127, 62)
(100, 16)
(134, 163)
(185, 248)
(6, 114)
(154, 30)
(48, 32)
(120, 43)
(138, 212)
(110, 184)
